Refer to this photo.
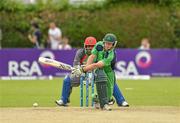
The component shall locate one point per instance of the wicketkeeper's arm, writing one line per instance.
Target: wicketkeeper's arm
(77, 57)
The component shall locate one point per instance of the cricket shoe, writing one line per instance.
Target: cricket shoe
(106, 107)
(124, 104)
(60, 103)
(111, 102)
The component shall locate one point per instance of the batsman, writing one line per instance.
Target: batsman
(70, 82)
(105, 55)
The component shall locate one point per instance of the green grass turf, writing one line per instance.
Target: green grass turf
(154, 92)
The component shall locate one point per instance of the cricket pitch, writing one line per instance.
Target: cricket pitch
(147, 114)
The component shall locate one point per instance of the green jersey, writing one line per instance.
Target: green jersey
(105, 56)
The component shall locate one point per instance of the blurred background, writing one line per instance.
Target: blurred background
(148, 33)
(130, 20)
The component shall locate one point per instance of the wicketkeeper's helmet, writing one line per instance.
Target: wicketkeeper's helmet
(89, 42)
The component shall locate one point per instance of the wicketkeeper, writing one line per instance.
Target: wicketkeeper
(70, 82)
(105, 56)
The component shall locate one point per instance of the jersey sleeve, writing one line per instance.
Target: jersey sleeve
(78, 57)
(98, 47)
(108, 58)
(94, 51)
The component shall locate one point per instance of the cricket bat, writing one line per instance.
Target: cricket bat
(54, 63)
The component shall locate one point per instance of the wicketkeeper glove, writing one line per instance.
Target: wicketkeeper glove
(77, 71)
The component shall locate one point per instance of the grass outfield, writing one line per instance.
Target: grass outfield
(154, 92)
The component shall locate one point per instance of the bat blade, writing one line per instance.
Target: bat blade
(54, 63)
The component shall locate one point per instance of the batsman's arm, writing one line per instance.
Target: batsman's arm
(93, 66)
(104, 62)
(91, 59)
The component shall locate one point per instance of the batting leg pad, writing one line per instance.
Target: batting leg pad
(101, 86)
(102, 93)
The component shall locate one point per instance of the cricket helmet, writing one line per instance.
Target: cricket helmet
(89, 41)
(109, 37)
